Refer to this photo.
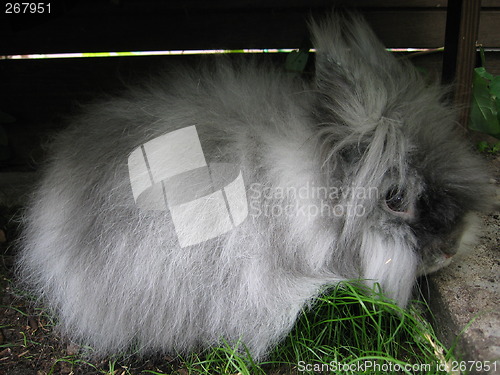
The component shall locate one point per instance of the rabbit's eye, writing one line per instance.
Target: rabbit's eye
(395, 201)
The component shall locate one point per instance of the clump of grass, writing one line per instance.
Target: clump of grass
(345, 332)
(351, 330)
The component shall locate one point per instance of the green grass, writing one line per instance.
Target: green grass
(345, 332)
(348, 330)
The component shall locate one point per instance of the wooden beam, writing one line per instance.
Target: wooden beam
(462, 27)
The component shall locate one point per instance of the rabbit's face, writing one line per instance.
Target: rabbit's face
(437, 212)
(428, 183)
(440, 227)
(383, 126)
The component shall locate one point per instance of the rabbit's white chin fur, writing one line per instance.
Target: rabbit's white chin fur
(217, 203)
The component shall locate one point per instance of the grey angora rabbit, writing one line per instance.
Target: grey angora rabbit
(218, 203)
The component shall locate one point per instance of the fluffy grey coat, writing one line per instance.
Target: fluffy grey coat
(217, 203)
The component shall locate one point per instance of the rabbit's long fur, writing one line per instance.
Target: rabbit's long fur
(359, 174)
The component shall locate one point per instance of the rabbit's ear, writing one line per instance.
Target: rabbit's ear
(358, 91)
(356, 77)
(347, 46)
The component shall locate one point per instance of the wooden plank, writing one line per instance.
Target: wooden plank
(405, 29)
(493, 62)
(489, 31)
(198, 24)
(490, 4)
(253, 4)
(285, 28)
(231, 4)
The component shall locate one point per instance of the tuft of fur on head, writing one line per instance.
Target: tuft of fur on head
(357, 175)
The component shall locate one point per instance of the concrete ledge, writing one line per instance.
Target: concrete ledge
(466, 297)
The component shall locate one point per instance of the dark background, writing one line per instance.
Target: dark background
(37, 94)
